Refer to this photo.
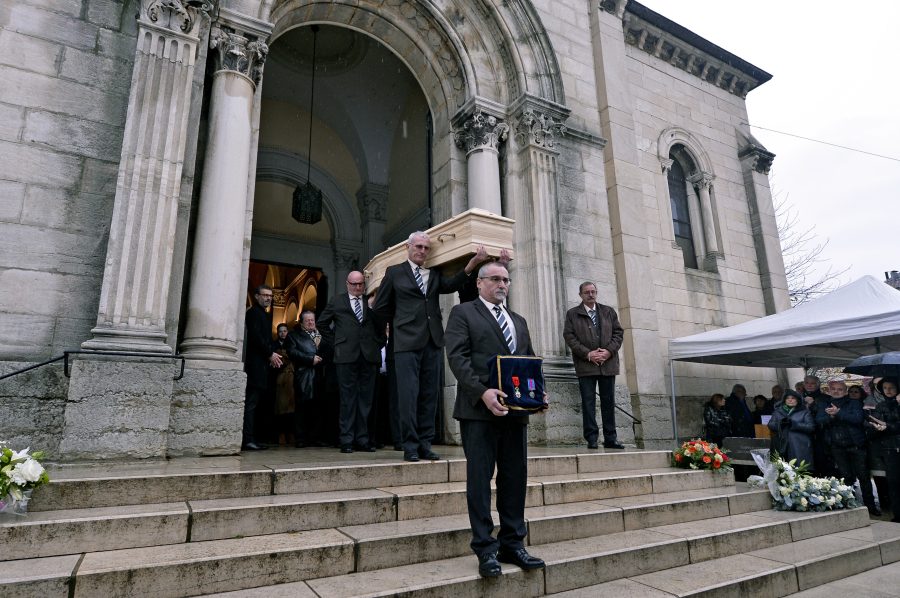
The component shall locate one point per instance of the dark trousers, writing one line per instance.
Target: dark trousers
(502, 442)
(418, 377)
(307, 418)
(606, 386)
(852, 465)
(892, 470)
(252, 399)
(357, 385)
(393, 404)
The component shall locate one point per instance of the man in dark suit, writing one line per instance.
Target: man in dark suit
(348, 324)
(302, 346)
(477, 332)
(261, 353)
(408, 299)
(594, 335)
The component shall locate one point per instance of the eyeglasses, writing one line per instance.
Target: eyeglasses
(266, 296)
(356, 284)
(423, 247)
(496, 279)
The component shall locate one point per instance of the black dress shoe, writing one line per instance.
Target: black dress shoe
(252, 446)
(592, 445)
(874, 511)
(488, 566)
(347, 449)
(366, 449)
(520, 558)
(430, 455)
(397, 447)
(615, 444)
(411, 457)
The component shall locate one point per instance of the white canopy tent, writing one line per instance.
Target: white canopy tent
(860, 318)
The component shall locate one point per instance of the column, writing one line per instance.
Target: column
(480, 134)
(703, 182)
(133, 297)
(346, 259)
(372, 201)
(538, 288)
(217, 275)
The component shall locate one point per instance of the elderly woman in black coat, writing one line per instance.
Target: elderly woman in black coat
(792, 427)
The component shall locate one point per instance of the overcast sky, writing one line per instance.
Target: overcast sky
(835, 78)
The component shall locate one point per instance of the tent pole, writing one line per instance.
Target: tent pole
(674, 416)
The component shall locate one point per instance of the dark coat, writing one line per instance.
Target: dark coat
(302, 349)
(473, 340)
(888, 411)
(260, 346)
(741, 418)
(349, 336)
(846, 428)
(717, 423)
(794, 441)
(415, 318)
(582, 337)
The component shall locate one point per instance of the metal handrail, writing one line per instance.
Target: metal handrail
(634, 421)
(65, 359)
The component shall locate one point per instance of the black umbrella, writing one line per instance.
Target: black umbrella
(880, 364)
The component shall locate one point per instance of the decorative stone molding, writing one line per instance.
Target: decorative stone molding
(703, 180)
(372, 201)
(760, 158)
(481, 130)
(345, 259)
(666, 164)
(616, 7)
(539, 129)
(184, 16)
(668, 41)
(238, 53)
(279, 298)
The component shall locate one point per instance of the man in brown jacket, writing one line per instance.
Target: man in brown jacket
(593, 333)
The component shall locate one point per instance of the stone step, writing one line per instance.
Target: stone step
(880, 582)
(293, 472)
(572, 564)
(776, 571)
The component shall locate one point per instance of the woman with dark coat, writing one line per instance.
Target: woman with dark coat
(792, 427)
(717, 419)
(884, 424)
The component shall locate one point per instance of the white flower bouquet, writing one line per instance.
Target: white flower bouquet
(793, 489)
(20, 474)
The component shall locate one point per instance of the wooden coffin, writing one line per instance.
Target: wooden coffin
(453, 242)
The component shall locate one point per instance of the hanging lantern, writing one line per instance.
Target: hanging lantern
(307, 205)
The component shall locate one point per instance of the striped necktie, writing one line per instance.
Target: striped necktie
(357, 309)
(419, 280)
(593, 314)
(504, 328)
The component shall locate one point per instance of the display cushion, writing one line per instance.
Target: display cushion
(522, 373)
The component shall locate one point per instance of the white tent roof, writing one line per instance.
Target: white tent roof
(860, 318)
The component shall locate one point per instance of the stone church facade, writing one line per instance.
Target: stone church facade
(149, 148)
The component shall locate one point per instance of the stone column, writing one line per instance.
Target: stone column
(538, 289)
(119, 407)
(703, 182)
(480, 135)
(372, 201)
(134, 294)
(217, 276)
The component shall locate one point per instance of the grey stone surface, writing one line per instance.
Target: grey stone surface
(117, 409)
(52, 26)
(207, 413)
(33, 405)
(73, 135)
(12, 196)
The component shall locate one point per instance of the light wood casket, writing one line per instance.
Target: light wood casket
(453, 242)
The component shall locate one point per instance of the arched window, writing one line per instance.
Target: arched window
(681, 213)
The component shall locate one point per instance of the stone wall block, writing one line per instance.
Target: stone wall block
(99, 177)
(34, 165)
(25, 52)
(25, 335)
(117, 409)
(34, 90)
(52, 26)
(115, 45)
(106, 13)
(12, 196)
(12, 120)
(66, 210)
(33, 407)
(74, 135)
(32, 248)
(207, 412)
(101, 72)
(70, 7)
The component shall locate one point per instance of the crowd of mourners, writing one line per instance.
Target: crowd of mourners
(841, 431)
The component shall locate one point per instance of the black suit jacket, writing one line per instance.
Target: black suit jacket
(349, 336)
(415, 318)
(473, 340)
(260, 346)
(301, 350)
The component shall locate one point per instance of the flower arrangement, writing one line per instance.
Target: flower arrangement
(20, 474)
(794, 489)
(699, 454)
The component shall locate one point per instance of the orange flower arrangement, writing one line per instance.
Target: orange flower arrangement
(700, 454)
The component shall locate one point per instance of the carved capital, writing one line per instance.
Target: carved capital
(238, 53)
(345, 260)
(279, 298)
(182, 16)
(666, 164)
(760, 158)
(537, 128)
(479, 131)
(372, 202)
(702, 179)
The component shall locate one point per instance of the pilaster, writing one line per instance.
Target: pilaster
(134, 293)
(372, 201)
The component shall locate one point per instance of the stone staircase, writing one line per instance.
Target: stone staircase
(304, 523)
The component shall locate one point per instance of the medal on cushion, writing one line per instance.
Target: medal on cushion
(531, 387)
(517, 392)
